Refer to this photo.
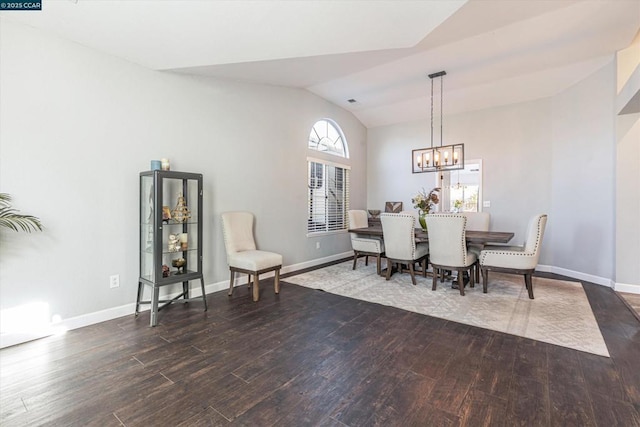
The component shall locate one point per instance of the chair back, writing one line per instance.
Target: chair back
(447, 239)
(399, 235)
(535, 232)
(477, 221)
(357, 218)
(237, 229)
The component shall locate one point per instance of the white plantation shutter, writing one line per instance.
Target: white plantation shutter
(328, 201)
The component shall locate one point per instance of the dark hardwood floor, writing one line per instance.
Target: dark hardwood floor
(309, 358)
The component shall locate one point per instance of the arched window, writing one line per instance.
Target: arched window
(326, 136)
(328, 182)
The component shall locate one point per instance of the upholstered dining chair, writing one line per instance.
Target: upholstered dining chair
(364, 246)
(515, 259)
(398, 231)
(242, 254)
(477, 221)
(448, 247)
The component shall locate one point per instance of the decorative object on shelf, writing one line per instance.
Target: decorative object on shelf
(166, 214)
(165, 270)
(375, 213)
(181, 213)
(444, 157)
(184, 241)
(425, 203)
(174, 244)
(156, 165)
(393, 207)
(179, 263)
(457, 206)
(165, 164)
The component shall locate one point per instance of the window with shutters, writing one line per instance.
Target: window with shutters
(327, 182)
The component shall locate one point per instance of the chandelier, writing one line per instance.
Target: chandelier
(438, 158)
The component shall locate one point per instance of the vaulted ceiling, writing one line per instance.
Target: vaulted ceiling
(495, 52)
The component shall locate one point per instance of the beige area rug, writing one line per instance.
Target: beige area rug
(560, 313)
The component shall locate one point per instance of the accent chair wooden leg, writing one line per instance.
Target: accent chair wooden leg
(485, 279)
(256, 287)
(276, 282)
(355, 259)
(366, 260)
(424, 267)
(435, 277)
(231, 283)
(529, 284)
(461, 281)
(389, 266)
(379, 264)
(472, 280)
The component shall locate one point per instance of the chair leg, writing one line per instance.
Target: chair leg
(435, 278)
(485, 279)
(366, 260)
(389, 266)
(424, 267)
(461, 281)
(412, 273)
(276, 282)
(379, 264)
(256, 287)
(529, 284)
(355, 259)
(472, 273)
(231, 283)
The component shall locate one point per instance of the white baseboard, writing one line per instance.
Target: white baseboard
(625, 287)
(7, 340)
(603, 281)
(14, 338)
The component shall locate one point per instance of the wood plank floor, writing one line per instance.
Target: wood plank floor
(309, 358)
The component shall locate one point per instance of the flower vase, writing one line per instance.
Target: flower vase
(422, 220)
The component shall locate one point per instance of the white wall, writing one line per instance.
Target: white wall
(628, 169)
(553, 155)
(76, 128)
(583, 186)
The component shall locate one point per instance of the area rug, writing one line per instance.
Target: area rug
(560, 314)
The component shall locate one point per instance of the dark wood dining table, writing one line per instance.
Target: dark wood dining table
(423, 236)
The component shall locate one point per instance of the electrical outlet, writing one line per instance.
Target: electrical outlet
(114, 281)
(486, 204)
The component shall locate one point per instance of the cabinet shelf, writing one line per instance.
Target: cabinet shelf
(159, 189)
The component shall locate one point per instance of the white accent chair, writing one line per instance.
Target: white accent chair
(398, 231)
(364, 246)
(516, 259)
(477, 221)
(242, 254)
(448, 247)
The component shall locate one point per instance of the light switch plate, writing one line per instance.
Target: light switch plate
(486, 204)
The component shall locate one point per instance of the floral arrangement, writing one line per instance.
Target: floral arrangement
(426, 202)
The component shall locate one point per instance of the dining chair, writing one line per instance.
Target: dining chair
(398, 231)
(364, 246)
(516, 259)
(477, 221)
(243, 255)
(448, 247)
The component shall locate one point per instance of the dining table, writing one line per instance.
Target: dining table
(472, 236)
